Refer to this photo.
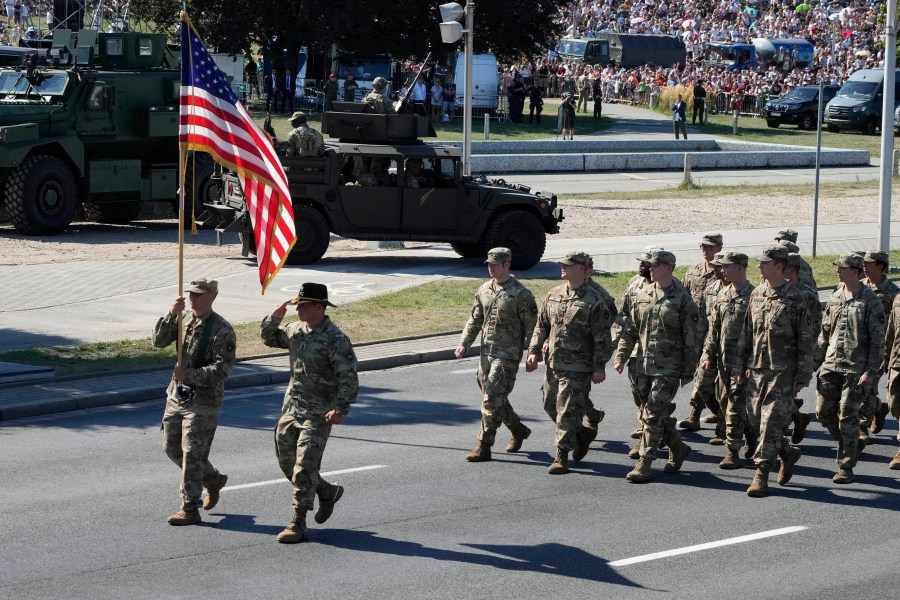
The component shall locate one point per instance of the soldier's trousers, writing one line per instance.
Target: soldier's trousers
(770, 402)
(496, 378)
(869, 404)
(299, 446)
(657, 393)
(893, 394)
(565, 396)
(704, 393)
(733, 402)
(188, 430)
(632, 382)
(837, 407)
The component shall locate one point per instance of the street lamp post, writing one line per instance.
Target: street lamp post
(451, 32)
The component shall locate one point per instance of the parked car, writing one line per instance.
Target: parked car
(798, 107)
(857, 105)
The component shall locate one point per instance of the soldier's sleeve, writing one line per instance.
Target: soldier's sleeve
(541, 330)
(473, 325)
(890, 335)
(823, 339)
(343, 362)
(876, 326)
(628, 334)
(711, 343)
(600, 321)
(528, 314)
(621, 318)
(806, 344)
(744, 341)
(272, 334)
(224, 346)
(692, 341)
(166, 331)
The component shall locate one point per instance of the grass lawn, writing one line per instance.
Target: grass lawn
(429, 308)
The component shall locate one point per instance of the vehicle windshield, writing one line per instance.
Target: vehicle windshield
(571, 47)
(728, 55)
(801, 94)
(14, 82)
(858, 90)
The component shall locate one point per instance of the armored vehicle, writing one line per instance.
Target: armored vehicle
(379, 181)
(97, 126)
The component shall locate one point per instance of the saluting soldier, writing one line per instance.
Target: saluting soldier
(323, 385)
(664, 331)
(195, 394)
(873, 411)
(850, 351)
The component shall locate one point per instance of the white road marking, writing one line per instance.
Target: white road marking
(244, 486)
(462, 371)
(706, 546)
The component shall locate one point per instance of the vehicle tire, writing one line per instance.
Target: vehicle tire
(522, 233)
(871, 127)
(773, 124)
(807, 122)
(41, 196)
(117, 213)
(204, 191)
(833, 128)
(467, 250)
(312, 236)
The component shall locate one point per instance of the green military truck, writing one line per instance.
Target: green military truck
(331, 194)
(97, 127)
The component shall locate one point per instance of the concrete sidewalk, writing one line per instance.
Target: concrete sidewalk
(23, 400)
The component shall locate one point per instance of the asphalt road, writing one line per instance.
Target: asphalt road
(85, 496)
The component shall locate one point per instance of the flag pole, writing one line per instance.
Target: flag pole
(182, 165)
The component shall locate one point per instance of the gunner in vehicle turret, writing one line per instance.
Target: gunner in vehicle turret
(375, 99)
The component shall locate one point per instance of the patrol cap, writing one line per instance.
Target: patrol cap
(312, 292)
(648, 252)
(794, 259)
(711, 239)
(298, 116)
(854, 261)
(877, 256)
(202, 286)
(499, 255)
(577, 258)
(662, 257)
(786, 234)
(717, 259)
(791, 246)
(733, 258)
(859, 253)
(773, 252)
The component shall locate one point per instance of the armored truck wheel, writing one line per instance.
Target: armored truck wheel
(312, 236)
(523, 234)
(117, 213)
(199, 185)
(41, 196)
(466, 250)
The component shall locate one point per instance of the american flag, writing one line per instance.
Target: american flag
(212, 120)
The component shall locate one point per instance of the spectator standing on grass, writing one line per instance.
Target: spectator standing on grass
(679, 114)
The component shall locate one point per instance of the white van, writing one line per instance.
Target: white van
(485, 80)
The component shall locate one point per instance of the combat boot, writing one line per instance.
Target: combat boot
(677, 454)
(895, 464)
(880, 415)
(731, 461)
(692, 422)
(750, 446)
(760, 486)
(863, 439)
(212, 492)
(844, 475)
(638, 433)
(801, 422)
(789, 457)
(326, 505)
(295, 532)
(717, 441)
(519, 435)
(595, 419)
(560, 466)
(635, 452)
(711, 418)
(641, 472)
(480, 453)
(583, 439)
(185, 516)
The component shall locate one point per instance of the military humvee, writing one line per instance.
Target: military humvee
(359, 189)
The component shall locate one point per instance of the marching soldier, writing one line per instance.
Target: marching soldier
(799, 418)
(873, 411)
(806, 272)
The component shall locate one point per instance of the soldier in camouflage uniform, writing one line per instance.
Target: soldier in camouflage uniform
(695, 281)
(591, 413)
(720, 351)
(873, 411)
(576, 321)
(323, 385)
(663, 326)
(303, 140)
(788, 239)
(195, 395)
(775, 359)
(891, 367)
(850, 351)
(799, 418)
(375, 99)
(712, 291)
(504, 313)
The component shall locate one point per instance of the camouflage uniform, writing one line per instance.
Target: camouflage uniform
(305, 141)
(886, 290)
(891, 366)
(663, 331)
(593, 415)
(635, 285)
(323, 378)
(696, 281)
(851, 343)
(576, 323)
(188, 426)
(504, 314)
(788, 239)
(378, 105)
(776, 346)
(726, 323)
